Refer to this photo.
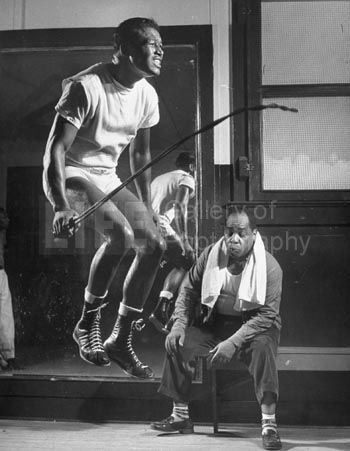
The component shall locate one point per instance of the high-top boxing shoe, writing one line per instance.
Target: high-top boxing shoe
(119, 347)
(87, 335)
(160, 317)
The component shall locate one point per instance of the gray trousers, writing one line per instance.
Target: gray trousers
(259, 355)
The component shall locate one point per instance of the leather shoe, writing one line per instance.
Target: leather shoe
(170, 425)
(271, 440)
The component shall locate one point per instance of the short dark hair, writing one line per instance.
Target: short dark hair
(184, 159)
(129, 31)
(241, 209)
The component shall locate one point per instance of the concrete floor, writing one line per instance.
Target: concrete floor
(26, 435)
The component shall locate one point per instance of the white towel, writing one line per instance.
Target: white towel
(252, 288)
(214, 273)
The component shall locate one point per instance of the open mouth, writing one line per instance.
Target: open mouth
(157, 62)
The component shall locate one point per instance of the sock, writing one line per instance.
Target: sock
(180, 411)
(124, 310)
(166, 294)
(268, 422)
(92, 303)
(91, 299)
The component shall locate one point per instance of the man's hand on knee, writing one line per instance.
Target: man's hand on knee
(174, 340)
(222, 353)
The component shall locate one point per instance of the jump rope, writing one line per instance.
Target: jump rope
(89, 211)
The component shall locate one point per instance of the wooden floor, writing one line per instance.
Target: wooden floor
(26, 435)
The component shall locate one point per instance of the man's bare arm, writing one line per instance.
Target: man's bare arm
(140, 155)
(61, 137)
(181, 218)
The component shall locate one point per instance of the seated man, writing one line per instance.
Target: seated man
(238, 285)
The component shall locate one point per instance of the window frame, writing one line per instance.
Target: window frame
(258, 94)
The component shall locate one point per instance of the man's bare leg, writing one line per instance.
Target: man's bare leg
(119, 239)
(138, 283)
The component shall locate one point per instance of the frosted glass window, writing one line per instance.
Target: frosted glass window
(308, 150)
(305, 42)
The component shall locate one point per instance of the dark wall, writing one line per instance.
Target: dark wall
(48, 276)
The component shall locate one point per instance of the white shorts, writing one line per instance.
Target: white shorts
(105, 179)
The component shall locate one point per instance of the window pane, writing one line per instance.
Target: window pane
(305, 42)
(309, 150)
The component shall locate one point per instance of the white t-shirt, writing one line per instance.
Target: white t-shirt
(164, 189)
(106, 114)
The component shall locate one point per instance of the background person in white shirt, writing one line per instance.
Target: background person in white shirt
(103, 110)
(7, 324)
(171, 193)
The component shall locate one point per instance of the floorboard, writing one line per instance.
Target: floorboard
(20, 435)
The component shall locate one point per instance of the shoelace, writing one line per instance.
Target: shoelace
(268, 425)
(168, 420)
(93, 339)
(136, 326)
